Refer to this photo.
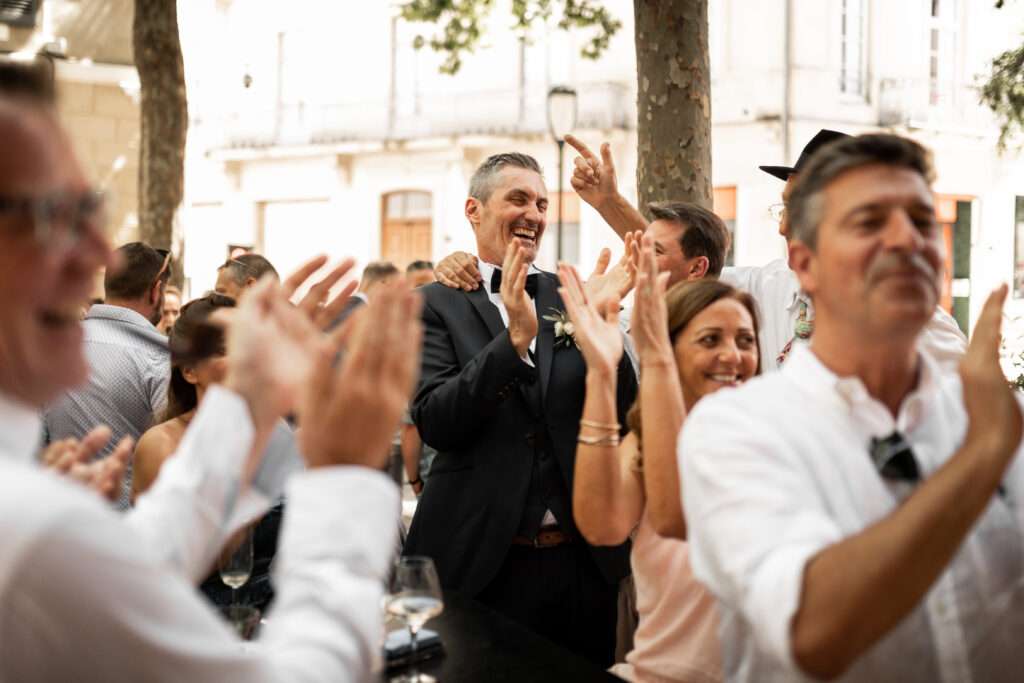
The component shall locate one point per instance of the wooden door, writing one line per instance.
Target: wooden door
(406, 233)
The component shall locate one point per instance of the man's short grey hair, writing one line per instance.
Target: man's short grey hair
(481, 185)
(807, 203)
(245, 266)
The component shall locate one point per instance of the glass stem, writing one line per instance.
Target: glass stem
(413, 644)
(234, 596)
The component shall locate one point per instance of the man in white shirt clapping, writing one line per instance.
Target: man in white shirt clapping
(860, 514)
(89, 595)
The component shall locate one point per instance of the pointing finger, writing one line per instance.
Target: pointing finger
(606, 157)
(578, 145)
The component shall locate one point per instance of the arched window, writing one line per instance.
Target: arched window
(405, 231)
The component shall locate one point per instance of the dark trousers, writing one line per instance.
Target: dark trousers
(560, 594)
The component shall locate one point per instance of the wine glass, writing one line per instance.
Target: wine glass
(415, 597)
(235, 562)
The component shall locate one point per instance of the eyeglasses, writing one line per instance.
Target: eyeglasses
(167, 261)
(777, 211)
(60, 219)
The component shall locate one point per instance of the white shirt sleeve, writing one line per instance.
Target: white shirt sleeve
(89, 602)
(737, 277)
(193, 506)
(754, 519)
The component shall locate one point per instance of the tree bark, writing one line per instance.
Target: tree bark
(164, 118)
(673, 101)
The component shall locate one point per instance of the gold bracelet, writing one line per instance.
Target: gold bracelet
(607, 426)
(606, 440)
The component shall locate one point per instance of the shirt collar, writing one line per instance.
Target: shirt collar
(20, 429)
(487, 269)
(806, 369)
(118, 313)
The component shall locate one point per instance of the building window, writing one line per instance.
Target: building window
(941, 51)
(953, 213)
(724, 205)
(1018, 250)
(406, 227)
(853, 60)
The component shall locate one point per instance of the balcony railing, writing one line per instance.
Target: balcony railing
(919, 103)
(500, 112)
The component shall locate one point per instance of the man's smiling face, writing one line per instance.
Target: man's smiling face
(515, 209)
(43, 281)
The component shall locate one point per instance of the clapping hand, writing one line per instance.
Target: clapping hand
(993, 412)
(459, 271)
(522, 314)
(593, 179)
(618, 281)
(74, 459)
(349, 413)
(649, 324)
(271, 344)
(596, 323)
(314, 304)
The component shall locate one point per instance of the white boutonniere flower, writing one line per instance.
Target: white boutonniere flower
(565, 331)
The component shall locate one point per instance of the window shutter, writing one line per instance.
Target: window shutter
(19, 12)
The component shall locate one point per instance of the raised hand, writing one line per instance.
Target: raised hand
(272, 345)
(74, 459)
(458, 271)
(349, 414)
(993, 412)
(593, 179)
(649, 323)
(522, 314)
(314, 304)
(619, 281)
(596, 323)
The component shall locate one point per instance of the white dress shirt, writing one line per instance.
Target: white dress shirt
(776, 289)
(777, 470)
(89, 595)
(486, 271)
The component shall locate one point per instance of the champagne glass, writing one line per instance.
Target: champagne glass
(235, 562)
(415, 597)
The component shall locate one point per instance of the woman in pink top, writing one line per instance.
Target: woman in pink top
(698, 338)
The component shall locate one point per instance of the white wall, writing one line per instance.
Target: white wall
(346, 55)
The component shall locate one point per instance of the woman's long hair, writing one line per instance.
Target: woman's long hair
(193, 339)
(684, 301)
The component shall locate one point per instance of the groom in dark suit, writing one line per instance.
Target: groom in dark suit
(500, 398)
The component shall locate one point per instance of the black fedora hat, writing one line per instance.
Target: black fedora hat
(822, 138)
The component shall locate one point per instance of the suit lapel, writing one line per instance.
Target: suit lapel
(487, 311)
(547, 303)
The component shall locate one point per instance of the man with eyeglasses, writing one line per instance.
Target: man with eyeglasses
(129, 360)
(92, 596)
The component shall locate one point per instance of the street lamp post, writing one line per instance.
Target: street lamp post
(561, 121)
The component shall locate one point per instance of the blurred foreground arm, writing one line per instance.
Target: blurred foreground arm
(119, 613)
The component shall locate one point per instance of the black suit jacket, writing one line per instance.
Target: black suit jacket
(474, 406)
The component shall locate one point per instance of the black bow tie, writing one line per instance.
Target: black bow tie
(531, 283)
(894, 458)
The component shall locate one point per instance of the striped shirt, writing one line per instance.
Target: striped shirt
(129, 368)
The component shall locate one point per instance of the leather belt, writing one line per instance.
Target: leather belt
(545, 538)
